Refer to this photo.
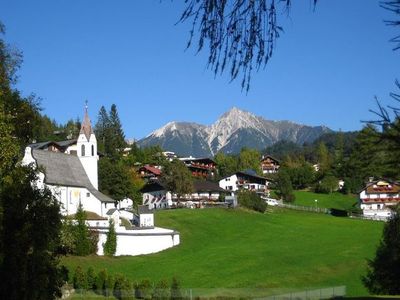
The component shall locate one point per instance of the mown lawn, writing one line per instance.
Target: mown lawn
(334, 200)
(279, 251)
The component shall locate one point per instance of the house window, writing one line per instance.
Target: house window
(83, 150)
(87, 194)
(92, 150)
(379, 206)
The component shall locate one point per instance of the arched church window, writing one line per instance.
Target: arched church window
(92, 150)
(83, 150)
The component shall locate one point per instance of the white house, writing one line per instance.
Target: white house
(69, 170)
(248, 180)
(157, 196)
(378, 196)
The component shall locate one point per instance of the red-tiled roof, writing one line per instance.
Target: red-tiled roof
(152, 169)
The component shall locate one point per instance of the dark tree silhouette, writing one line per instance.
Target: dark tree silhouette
(240, 34)
(384, 270)
(393, 6)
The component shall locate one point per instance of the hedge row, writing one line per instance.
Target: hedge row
(121, 288)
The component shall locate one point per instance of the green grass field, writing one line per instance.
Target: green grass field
(334, 200)
(281, 250)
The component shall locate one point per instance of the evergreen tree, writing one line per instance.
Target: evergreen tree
(115, 179)
(102, 129)
(82, 239)
(117, 134)
(110, 246)
(384, 270)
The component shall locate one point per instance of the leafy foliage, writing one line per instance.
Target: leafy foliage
(251, 200)
(284, 186)
(29, 237)
(178, 178)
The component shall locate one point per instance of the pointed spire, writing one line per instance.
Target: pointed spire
(86, 127)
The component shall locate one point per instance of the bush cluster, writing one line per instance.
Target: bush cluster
(122, 288)
(252, 201)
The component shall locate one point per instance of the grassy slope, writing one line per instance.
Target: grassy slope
(334, 200)
(238, 249)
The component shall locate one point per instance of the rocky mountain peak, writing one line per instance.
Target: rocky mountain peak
(235, 129)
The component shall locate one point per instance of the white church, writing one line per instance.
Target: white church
(69, 169)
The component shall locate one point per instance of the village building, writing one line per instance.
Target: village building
(269, 165)
(248, 180)
(200, 167)
(157, 196)
(378, 197)
(149, 172)
(69, 169)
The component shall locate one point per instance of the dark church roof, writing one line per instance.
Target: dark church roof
(65, 170)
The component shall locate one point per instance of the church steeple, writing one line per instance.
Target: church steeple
(87, 149)
(86, 127)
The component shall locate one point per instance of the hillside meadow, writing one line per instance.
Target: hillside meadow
(271, 253)
(334, 200)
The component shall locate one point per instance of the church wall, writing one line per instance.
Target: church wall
(138, 242)
(69, 197)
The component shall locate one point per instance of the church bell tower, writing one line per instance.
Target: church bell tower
(87, 149)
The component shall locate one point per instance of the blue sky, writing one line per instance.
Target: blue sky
(326, 70)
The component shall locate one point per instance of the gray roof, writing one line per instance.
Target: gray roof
(65, 170)
(111, 211)
(61, 144)
(207, 186)
(143, 209)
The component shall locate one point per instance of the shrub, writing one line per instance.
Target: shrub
(161, 291)
(100, 285)
(327, 185)
(93, 241)
(109, 285)
(91, 278)
(175, 289)
(252, 201)
(110, 246)
(122, 288)
(143, 289)
(80, 279)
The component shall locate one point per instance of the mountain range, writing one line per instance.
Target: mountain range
(234, 130)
